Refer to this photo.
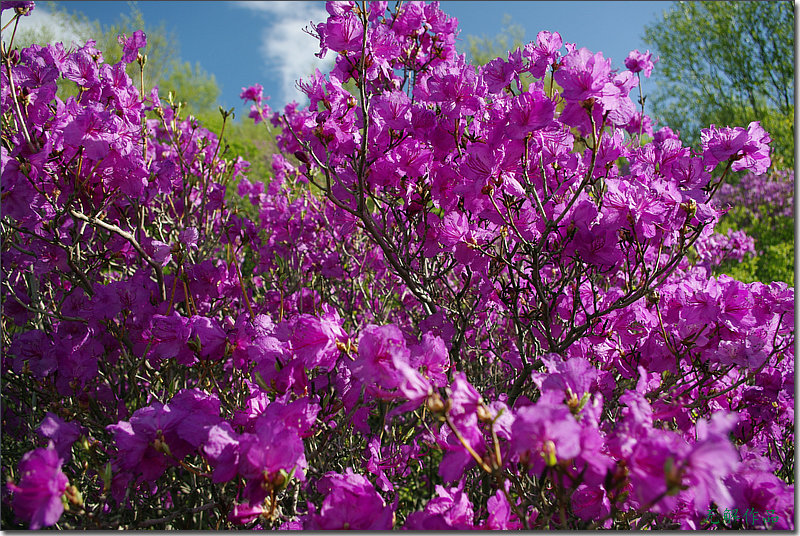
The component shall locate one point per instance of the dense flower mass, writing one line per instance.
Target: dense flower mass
(494, 308)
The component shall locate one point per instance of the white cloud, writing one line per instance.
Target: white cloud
(285, 47)
(42, 25)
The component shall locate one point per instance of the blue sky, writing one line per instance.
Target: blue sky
(243, 43)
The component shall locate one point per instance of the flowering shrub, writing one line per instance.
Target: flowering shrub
(762, 206)
(770, 194)
(485, 316)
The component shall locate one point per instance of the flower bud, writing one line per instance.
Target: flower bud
(74, 496)
(107, 477)
(483, 414)
(549, 453)
(435, 404)
(280, 479)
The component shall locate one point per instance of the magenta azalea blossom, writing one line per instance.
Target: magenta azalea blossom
(545, 434)
(583, 75)
(529, 111)
(543, 53)
(451, 509)
(719, 144)
(383, 364)
(63, 434)
(37, 496)
(590, 503)
(314, 339)
(351, 502)
(253, 93)
(131, 45)
(756, 152)
(640, 62)
(22, 6)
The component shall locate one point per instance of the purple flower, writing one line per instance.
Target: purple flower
(169, 335)
(450, 510)
(719, 144)
(712, 459)
(160, 252)
(583, 75)
(383, 364)
(63, 434)
(529, 111)
(20, 6)
(268, 456)
(755, 154)
(195, 412)
(501, 516)
(37, 497)
(656, 473)
(543, 53)
(341, 34)
(590, 502)
(454, 229)
(576, 374)
(222, 450)
(36, 349)
(432, 358)
(243, 513)
(640, 62)
(459, 91)
(188, 237)
(545, 433)
(314, 339)
(394, 108)
(131, 45)
(142, 442)
(351, 502)
(754, 487)
(276, 448)
(498, 74)
(253, 93)
(211, 336)
(464, 401)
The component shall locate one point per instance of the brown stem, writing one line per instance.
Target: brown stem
(132, 240)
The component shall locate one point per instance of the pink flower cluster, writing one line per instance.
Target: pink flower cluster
(481, 316)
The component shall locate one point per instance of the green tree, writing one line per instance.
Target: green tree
(242, 137)
(727, 63)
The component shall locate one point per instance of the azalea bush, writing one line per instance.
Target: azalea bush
(761, 207)
(460, 301)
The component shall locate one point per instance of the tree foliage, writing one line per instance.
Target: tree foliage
(726, 63)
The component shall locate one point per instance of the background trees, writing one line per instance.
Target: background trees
(726, 63)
